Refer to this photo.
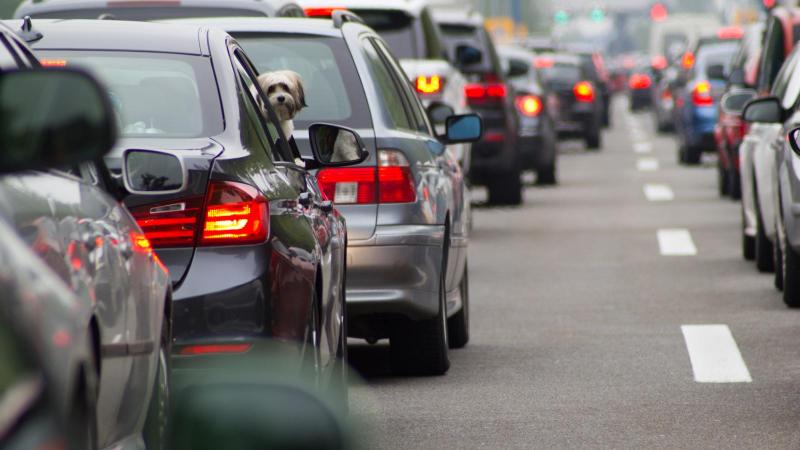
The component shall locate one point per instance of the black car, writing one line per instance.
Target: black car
(254, 250)
(152, 10)
(579, 110)
(496, 159)
(537, 133)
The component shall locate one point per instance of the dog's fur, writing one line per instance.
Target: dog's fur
(284, 89)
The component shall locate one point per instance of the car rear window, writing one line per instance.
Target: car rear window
(395, 27)
(331, 83)
(721, 52)
(146, 13)
(457, 34)
(153, 94)
(560, 72)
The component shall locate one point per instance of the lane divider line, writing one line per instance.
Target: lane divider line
(658, 193)
(714, 355)
(642, 147)
(647, 164)
(676, 242)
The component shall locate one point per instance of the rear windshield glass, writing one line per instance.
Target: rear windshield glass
(147, 13)
(560, 72)
(457, 34)
(720, 53)
(395, 27)
(153, 94)
(331, 84)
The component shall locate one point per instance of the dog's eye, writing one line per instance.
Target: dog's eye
(271, 89)
(284, 87)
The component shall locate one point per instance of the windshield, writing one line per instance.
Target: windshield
(331, 84)
(153, 94)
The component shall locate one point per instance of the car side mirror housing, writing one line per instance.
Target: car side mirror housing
(336, 146)
(763, 110)
(467, 55)
(438, 112)
(715, 72)
(463, 129)
(517, 68)
(734, 101)
(149, 172)
(52, 118)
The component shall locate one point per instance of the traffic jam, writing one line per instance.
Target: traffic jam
(269, 224)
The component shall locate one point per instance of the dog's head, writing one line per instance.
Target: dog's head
(284, 89)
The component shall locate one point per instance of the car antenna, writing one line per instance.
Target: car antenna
(26, 31)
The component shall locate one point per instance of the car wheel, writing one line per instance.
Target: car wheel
(722, 180)
(593, 138)
(777, 257)
(421, 347)
(82, 421)
(546, 176)
(748, 243)
(155, 426)
(734, 184)
(458, 325)
(791, 280)
(764, 262)
(692, 154)
(506, 189)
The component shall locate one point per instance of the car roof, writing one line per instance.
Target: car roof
(268, 7)
(321, 27)
(457, 16)
(79, 34)
(413, 7)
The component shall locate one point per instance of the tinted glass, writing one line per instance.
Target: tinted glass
(773, 56)
(720, 53)
(561, 72)
(415, 108)
(147, 13)
(151, 171)
(396, 28)
(392, 106)
(330, 81)
(153, 94)
(457, 34)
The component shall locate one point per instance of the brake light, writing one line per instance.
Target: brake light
(485, 91)
(322, 12)
(236, 214)
(659, 62)
(687, 61)
(701, 94)
(529, 105)
(666, 94)
(211, 349)
(640, 81)
(391, 182)
(429, 85)
(543, 63)
(170, 224)
(584, 92)
(730, 33)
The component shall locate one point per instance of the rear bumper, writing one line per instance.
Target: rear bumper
(395, 273)
(495, 154)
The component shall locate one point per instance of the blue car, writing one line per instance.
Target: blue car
(698, 90)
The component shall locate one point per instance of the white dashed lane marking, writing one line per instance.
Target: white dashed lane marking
(658, 193)
(676, 242)
(714, 355)
(642, 147)
(647, 164)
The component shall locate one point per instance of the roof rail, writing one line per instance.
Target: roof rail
(342, 16)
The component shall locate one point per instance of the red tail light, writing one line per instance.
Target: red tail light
(543, 63)
(584, 92)
(666, 94)
(211, 349)
(391, 182)
(687, 61)
(429, 85)
(701, 94)
(659, 62)
(232, 214)
(529, 105)
(733, 32)
(322, 12)
(483, 92)
(640, 81)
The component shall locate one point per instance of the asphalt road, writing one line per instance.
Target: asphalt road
(577, 316)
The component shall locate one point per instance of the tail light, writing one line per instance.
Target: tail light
(640, 81)
(666, 94)
(429, 85)
(391, 182)
(322, 12)
(659, 62)
(231, 214)
(687, 61)
(543, 63)
(733, 32)
(214, 349)
(584, 92)
(485, 92)
(529, 105)
(701, 94)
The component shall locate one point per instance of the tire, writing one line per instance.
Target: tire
(791, 280)
(723, 184)
(546, 176)
(606, 116)
(593, 138)
(734, 184)
(506, 189)
(748, 242)
(156, 425)
(777, 257)
(458, 325)
(692, 155)
(764, 261)
(82, 420)
(421, 347)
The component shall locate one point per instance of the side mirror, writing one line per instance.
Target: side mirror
(52, 118)
(715, 72)
(336, 146)
(734, 101)
(463, 128)
(466, 55)
(517, 68)
(147, 172)
(794, 135)
(438, 112)
(764, 110)
(736, 76)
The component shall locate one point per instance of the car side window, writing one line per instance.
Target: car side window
(419, 120)
(784, 76)
(387, 89)
(773, 55)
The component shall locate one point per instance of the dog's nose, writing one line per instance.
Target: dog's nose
(281, 99)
